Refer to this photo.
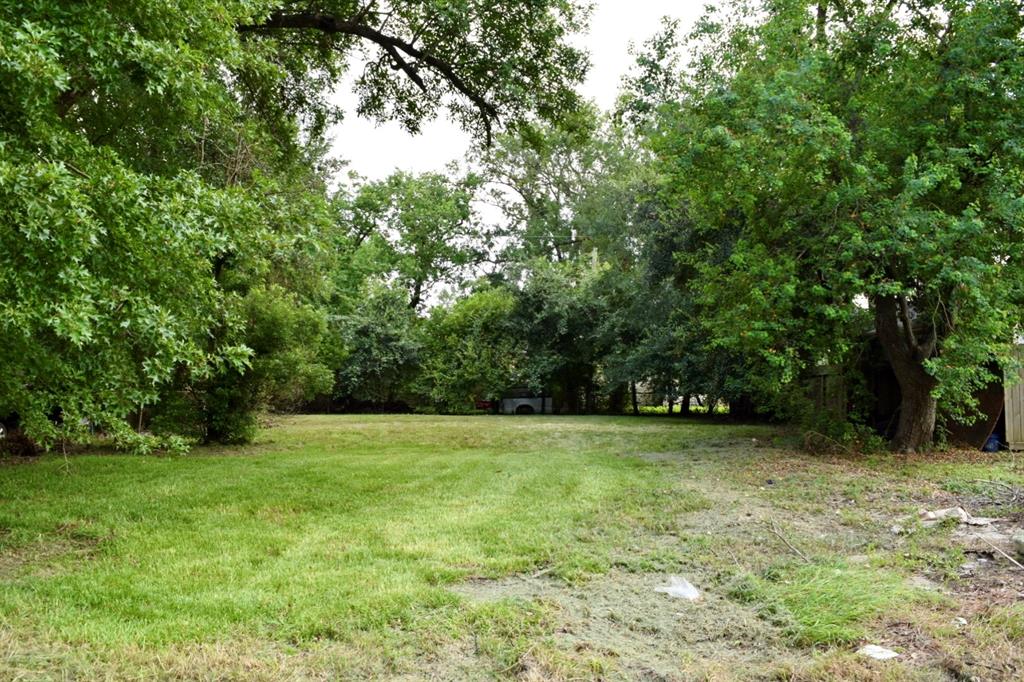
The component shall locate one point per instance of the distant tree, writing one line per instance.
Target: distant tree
(653, 80)
(535, 175)
(426, 230)
(381, 346)
(557, 310)
(472, 350)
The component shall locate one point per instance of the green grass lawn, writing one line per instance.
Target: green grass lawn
(335, 547)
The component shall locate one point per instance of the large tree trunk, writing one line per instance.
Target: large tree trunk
(906, 355)
(636, 404)
(916, 428)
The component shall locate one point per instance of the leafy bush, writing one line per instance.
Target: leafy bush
(283, 370)
(471, 351)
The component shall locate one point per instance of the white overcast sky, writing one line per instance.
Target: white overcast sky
(376, 151)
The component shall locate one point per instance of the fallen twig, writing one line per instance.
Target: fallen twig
(543, 572)
(839, 446)
(775, 529)
(991, 482)
(1012, 560)
(1013, 490)
(732, 554)
(521, 661)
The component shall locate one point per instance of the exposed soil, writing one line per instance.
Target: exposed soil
(648, 634)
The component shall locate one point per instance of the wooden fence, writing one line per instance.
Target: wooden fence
(1014, 410)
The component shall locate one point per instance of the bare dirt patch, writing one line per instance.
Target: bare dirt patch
(46, 557)
(643, 633)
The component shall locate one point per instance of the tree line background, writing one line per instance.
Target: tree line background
(774, 192)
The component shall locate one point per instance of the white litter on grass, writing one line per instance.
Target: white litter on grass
(930, 518)
(681, 588)
(879, 653)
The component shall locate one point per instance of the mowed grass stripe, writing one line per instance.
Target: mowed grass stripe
(330, 525)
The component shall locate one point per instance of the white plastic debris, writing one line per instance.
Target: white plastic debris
(930, 518)
(879, 653)
(681, 588)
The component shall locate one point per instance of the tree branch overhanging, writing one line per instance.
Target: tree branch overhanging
(400, 63)
(400, 51)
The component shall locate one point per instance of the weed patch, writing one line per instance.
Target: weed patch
(824, 604)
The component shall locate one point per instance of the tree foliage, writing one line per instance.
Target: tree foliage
(820, 174)
(425, 229)
(382, 344)
(861, 152)
(473, 350)
(163, 163)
